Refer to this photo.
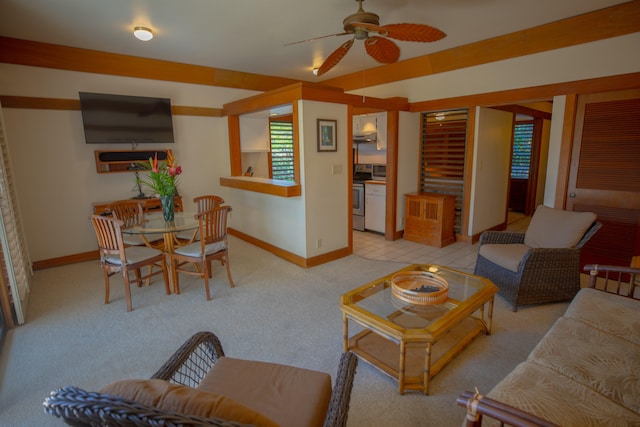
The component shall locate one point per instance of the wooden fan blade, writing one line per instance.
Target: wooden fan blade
(382, 50)
(335, 57)
(412, 32)
(317, 38)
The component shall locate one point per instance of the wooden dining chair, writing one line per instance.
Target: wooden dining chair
(131, 213)
(212, 245)
(116, 257)
(203, 203)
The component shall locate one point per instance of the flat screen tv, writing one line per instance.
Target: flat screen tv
(125, 119)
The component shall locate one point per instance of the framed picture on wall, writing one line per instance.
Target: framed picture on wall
(327, 140)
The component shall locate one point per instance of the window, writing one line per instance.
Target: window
(281, 156)
(521, 156)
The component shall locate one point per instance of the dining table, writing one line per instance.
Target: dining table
(154, 224)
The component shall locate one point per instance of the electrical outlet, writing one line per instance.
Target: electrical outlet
(318, 243)
(336, 169)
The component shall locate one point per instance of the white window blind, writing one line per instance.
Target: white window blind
(12, 236)
(282, 161)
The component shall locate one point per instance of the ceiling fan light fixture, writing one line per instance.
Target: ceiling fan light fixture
(143, 33)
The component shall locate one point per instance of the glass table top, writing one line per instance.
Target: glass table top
(375, 300)
(155, 223)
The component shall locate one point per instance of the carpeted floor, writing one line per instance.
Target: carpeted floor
(277, 312)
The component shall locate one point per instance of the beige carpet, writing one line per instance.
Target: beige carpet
(277, 312)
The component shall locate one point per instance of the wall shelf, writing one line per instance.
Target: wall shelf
(112, 161)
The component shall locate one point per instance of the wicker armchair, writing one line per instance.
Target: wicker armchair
(188, 366)
(526, 269)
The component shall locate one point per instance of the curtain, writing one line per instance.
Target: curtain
(12, 237)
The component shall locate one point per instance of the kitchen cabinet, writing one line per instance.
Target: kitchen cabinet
(254, 134)
(367, 124)
(429, 218)
(375, 196)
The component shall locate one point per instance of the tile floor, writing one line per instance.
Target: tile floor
(459, 255)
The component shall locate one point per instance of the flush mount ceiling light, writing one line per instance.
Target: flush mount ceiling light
(143, 33)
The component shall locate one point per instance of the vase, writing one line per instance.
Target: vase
(168, 207)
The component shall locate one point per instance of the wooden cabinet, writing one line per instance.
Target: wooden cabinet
(151, 204)
(112, 161)
(429, 218)
(254, 134)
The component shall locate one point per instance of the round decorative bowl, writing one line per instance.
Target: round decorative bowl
(419, 287)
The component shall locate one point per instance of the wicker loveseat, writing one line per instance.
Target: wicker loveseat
(584, 372)
(199, 386)
(541, 265)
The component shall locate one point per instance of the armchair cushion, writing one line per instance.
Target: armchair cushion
(555, 228)
(163, 395)
(288, 395)
(507, 256)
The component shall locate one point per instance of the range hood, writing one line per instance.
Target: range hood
(371, 137)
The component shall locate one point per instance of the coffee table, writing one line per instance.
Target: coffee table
(411, 343)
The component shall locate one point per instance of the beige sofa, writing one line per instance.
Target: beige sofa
(584, 372)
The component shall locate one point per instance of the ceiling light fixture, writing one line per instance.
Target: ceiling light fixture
(143, 33)
(315, 71)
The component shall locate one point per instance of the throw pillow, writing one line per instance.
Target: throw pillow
(185, 400)
(555, 228)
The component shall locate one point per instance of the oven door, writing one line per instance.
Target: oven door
(358, 199)
(358, 206)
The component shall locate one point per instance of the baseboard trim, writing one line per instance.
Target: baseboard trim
(288, 256)
(65, 260)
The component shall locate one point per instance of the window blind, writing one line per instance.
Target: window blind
(282, 161)
(521, 156)
(12, 236)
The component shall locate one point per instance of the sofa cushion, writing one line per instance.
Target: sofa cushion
(288, 395)
(555, 228)
(537, 389)
(594, 359)
(506, 256)
(185, 400)
(613, 314)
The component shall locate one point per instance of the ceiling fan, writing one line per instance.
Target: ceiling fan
(380, 48)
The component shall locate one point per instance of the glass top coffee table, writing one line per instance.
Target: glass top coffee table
(411, 343)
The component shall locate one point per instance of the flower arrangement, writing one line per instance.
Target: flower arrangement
(163, 176)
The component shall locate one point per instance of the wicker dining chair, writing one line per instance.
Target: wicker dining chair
(200, 371)
(116, 257)
(211, 245)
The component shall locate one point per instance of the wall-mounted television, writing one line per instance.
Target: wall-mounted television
(125, 119)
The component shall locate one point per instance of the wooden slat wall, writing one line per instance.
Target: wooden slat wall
(443, 158)
(610, 151)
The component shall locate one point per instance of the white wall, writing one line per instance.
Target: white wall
(555, 140)
(617, 55)
(491, 159)
(326, 191)
(55, 174)
(408, 161)
(320, 213)
(55, 170)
